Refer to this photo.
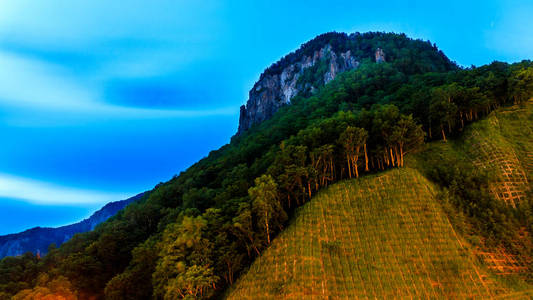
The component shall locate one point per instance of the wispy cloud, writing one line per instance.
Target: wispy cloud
(78, 25)
(37, 88)
(48, 193)
(31, 83)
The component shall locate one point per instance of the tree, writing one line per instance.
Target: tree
(442, 110)
(49, 289)
(136, 281)
(408, 135)
(265, 204)
(194, 282)
(383, 123)
(183, 246)
(352, 139)
(243, 228)
(291, 170)
(521, 84)
(322, 161)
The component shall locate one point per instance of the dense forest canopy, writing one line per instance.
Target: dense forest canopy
(413, 56)
(195, 234)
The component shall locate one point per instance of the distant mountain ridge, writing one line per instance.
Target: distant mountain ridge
(38, 239)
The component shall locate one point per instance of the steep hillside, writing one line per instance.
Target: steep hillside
(38, 239)
(503, 143)
(396, 235)
(194, 235)
(322, 59)
(381, 236)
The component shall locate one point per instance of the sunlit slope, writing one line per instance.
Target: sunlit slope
(503, 142)
(379, 236)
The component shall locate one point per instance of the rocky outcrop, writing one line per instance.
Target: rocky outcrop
(380, 55)
(275, 90)
(38, 239)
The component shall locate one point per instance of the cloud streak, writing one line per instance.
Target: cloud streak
(39, 192)
(33, 88)
(31, 83)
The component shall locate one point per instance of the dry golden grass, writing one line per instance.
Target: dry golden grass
(381, 236)
(504, 143)
(387, 236)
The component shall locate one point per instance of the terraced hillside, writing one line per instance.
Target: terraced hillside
(504, 143)
(379, 236)
(387, 235)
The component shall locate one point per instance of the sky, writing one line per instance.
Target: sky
(101, 100)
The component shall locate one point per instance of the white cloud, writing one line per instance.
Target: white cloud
(47, 193)
(117, 40)
(28, 82)
(77, 24)
(32, 90)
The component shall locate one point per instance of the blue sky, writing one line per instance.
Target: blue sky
(100, 100)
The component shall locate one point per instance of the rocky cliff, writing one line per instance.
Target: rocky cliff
(320, 60)
(380, 55)
(38, 239)
(274, 90)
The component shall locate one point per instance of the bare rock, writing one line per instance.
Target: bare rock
(272, 91)
(380, 55)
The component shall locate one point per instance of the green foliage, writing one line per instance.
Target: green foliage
(488, 222)
(521, 83)
(411, 56)
(352, 139)
(192, 283)
(48, 289)
(266, 205)
(468, 190)
(183, 247)
(380, 236)
(136, 281)
(195, 234)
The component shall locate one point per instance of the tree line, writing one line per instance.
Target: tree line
(192, 236)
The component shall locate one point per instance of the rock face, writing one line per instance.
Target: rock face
(38, 239)
(275, 90)
(380, 55)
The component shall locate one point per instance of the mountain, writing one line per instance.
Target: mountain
(319, 61)
(379, 157)
(381, 236)
(38, 239)
(389, 235)
(277, 88)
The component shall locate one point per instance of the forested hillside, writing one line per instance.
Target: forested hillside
(323, 58)
(396, 234)
(37, 240)
(194, 235)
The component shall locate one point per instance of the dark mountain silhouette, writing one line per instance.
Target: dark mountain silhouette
(38, 239)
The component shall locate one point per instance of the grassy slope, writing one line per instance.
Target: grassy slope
(503, 142)
(387, 235)
(379, 236)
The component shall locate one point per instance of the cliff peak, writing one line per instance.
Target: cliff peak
(276, 88)
(380, 55)
(323, 58)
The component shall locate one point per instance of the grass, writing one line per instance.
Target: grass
(379, 236)
(390, 235)
(502, 145)
(503, 142)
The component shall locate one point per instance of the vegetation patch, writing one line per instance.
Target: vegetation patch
(194, 235)
(380, 236)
